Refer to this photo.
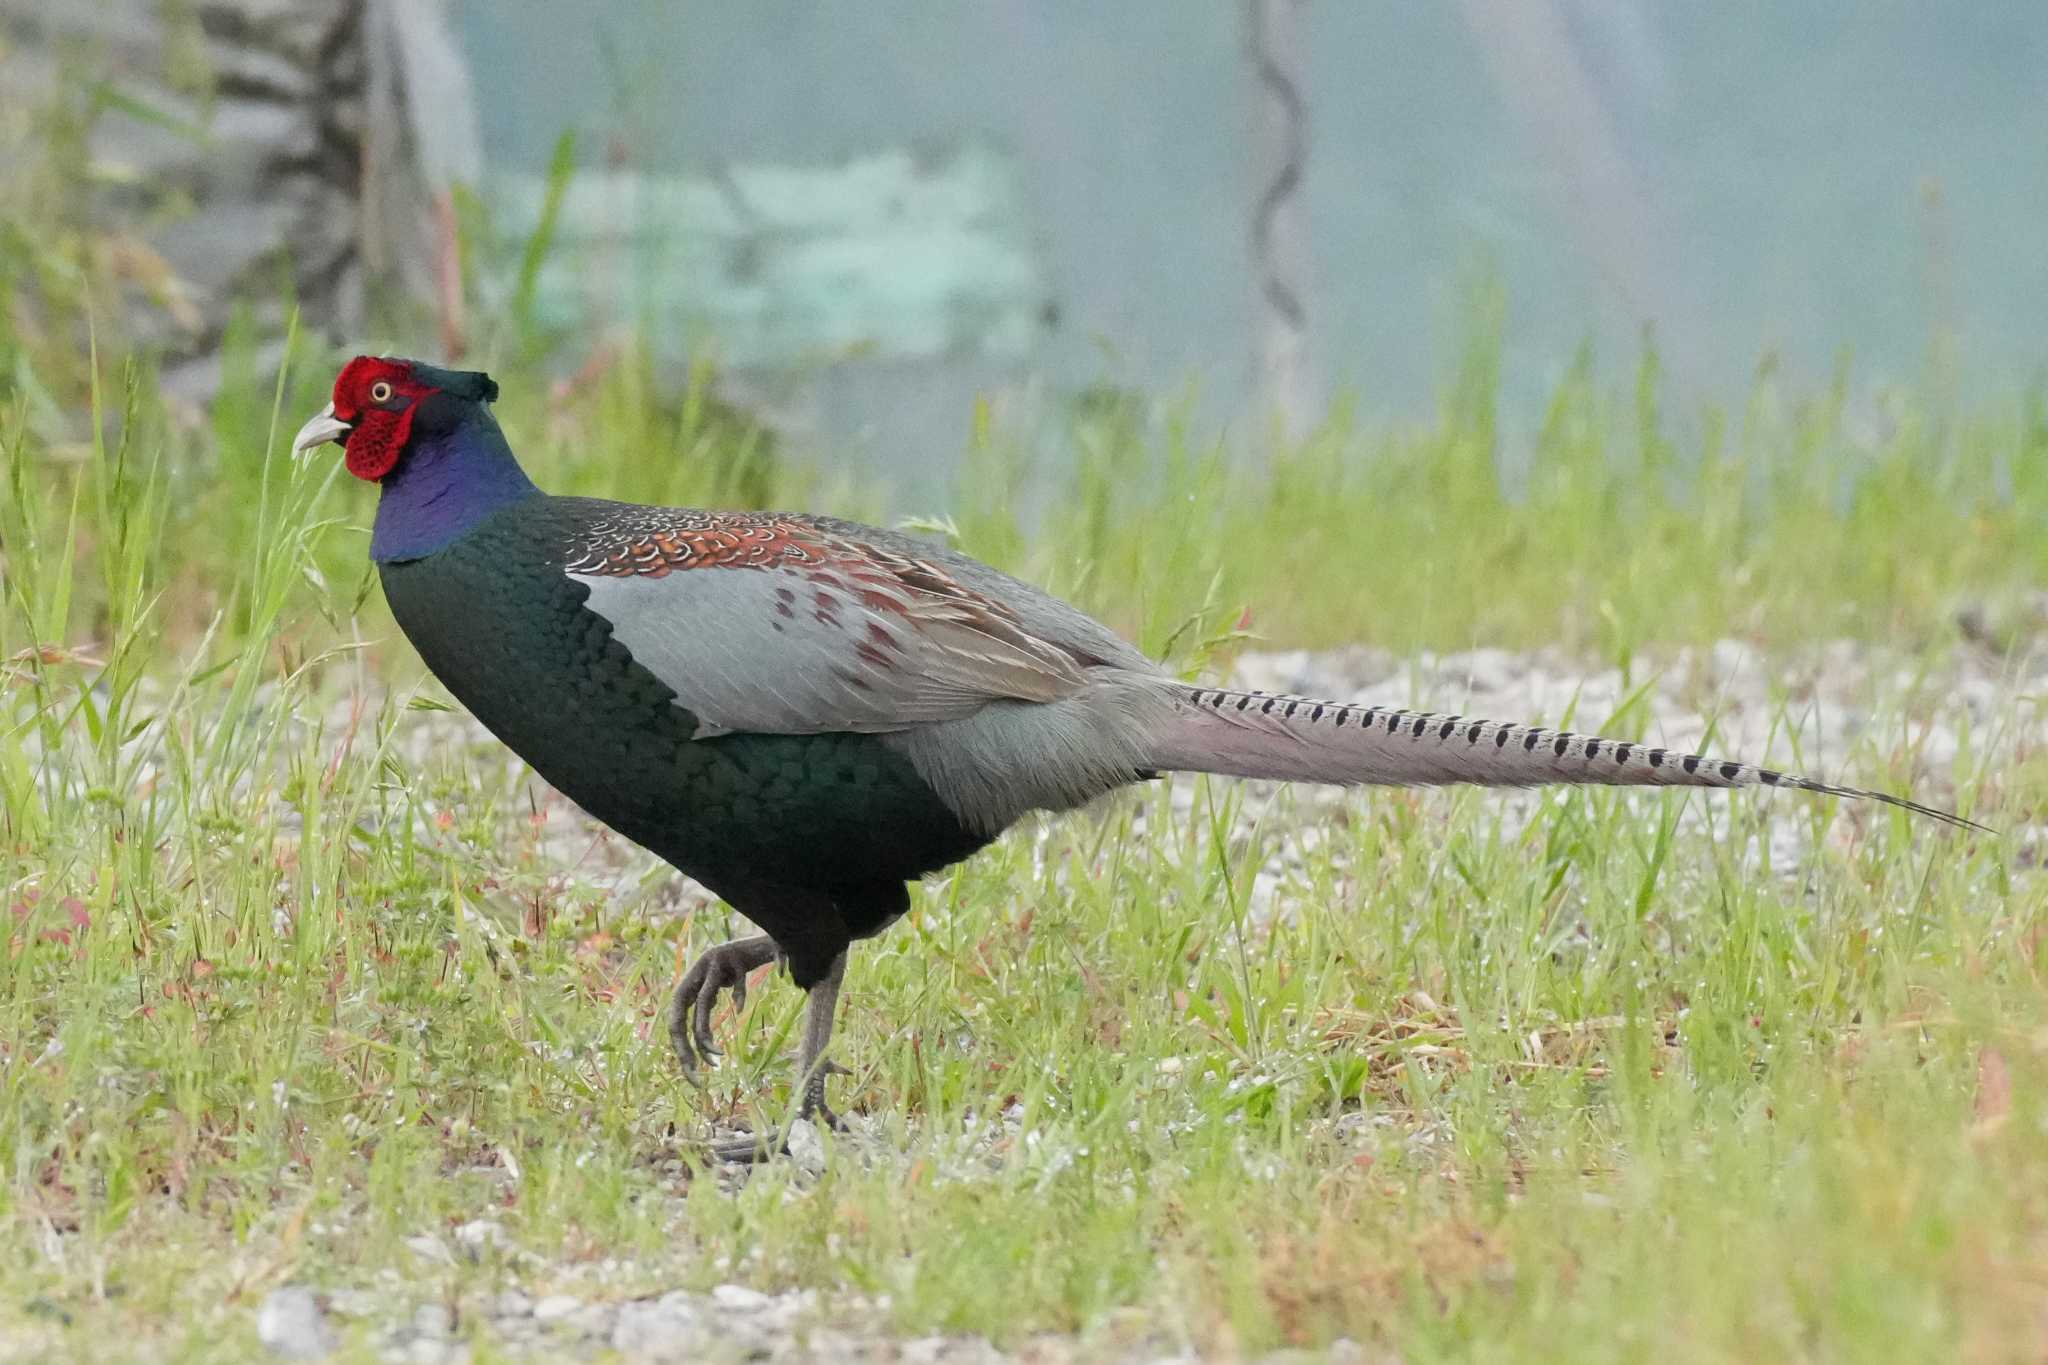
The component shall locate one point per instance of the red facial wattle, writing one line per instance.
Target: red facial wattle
(377, 441)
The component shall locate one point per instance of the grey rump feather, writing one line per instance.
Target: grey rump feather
(1025, 703)
(1012, 757)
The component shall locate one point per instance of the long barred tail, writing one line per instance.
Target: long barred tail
(1300, 739)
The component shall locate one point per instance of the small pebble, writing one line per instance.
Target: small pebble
(555, 1307)
(432, 1320)
(291, 1323)
(806, 1148)
(429, 1351)
(480, 1235)
(671, 1327)
(736, 1298)
(428, 1247)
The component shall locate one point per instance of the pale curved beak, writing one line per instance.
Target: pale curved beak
(323, 427)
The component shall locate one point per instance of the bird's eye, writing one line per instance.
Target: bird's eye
(380, 392)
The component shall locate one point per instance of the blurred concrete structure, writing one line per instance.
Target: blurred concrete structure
(1279, 217)
(886, 256)
(246, 153)
(1756, 184)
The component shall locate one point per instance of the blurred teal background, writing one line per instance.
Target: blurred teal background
(1819, 178)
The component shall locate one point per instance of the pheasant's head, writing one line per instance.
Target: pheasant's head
(381, 404)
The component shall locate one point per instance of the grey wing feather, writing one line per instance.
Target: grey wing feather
(1037, 611)
(782, 652)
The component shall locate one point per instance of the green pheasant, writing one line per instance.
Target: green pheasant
(807, 714)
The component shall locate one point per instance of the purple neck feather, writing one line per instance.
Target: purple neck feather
(444, 486)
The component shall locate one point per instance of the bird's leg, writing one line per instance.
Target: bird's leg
(811, 1069)
(820, 1009)
(723, 968)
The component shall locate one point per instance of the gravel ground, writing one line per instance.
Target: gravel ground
(728, 1323)
(1838, 709)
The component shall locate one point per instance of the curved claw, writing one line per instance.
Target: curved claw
(706, 998)
(721, 969)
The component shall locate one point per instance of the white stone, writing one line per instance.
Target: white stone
(290, 1322)
(428, 1247)
(805, 1146)
(671, 1327)
(555, 1307)
(481, 1233)
(737, 1298)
